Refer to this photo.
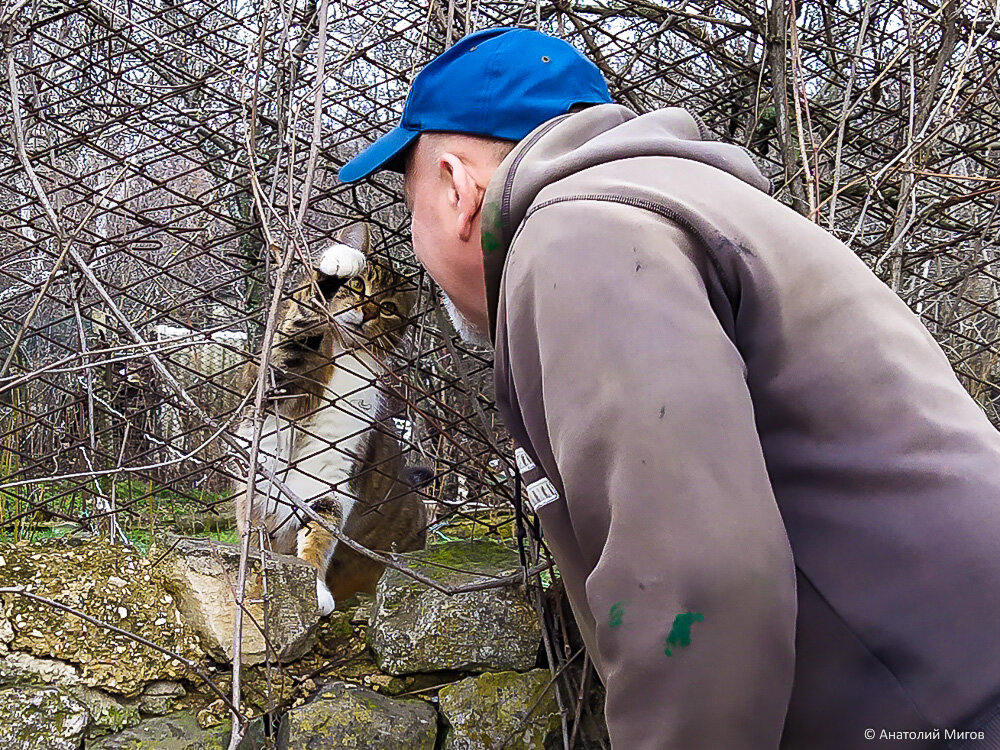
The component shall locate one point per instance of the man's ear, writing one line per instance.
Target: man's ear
(355, 235)
(464, 194)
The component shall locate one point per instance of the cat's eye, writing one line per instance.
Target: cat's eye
(356, 284)
(389, 308)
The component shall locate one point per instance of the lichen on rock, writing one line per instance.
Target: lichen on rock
(348, 717)
(106, 713)
(33, 718)
(507, 710)
(113, 584)
(175, 732)
(416, 628)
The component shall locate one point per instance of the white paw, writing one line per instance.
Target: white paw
(342, 261)
(325, 598)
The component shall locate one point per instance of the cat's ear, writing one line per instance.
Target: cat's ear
(356, 235)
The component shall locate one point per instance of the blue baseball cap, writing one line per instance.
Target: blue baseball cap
(501, 82)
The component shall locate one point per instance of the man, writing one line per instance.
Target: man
(775, 509)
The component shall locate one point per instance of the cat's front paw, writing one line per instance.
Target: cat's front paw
(342, 261)
(325, 598)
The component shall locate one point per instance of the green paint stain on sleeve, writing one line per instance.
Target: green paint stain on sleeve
(615, 614)
(680, 632)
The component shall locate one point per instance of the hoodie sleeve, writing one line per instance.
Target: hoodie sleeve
(634, 401)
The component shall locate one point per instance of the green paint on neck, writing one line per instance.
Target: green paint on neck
(491, 243)
(615, 614)
(680, 632)
(491, 228)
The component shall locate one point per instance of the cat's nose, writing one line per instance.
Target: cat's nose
(369, 312)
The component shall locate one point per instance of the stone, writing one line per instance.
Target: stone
(415, 628)
(213, 714)
(174, 732)
(361, 614)
(507, 710)
(135, 601)
(494, 524)
(348, 717)
(6, 627)
(105, 713)
(159, 697)
(41, 719)
(17, 668)
(201, 574)
(201, 523)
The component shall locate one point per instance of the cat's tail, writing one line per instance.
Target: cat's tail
(418, 476)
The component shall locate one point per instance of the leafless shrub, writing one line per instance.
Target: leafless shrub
(163, 162)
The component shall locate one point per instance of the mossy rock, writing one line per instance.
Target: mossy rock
(493, 525)
(41, 719)
(106, 713)
(460, 562)
(160, 697)
(175, 732)
(416, 628)
(348, 717)
(113, 584)
(506, 710)
(202, 523)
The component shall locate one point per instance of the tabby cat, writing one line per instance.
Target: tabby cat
(326, 434)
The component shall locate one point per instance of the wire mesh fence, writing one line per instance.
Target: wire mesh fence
(167, 170)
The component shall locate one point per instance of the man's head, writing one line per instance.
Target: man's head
(444, 180)
(465, 111)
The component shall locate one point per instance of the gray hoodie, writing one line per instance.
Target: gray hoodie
(775, 509)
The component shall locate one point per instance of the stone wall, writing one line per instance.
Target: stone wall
(411, 668)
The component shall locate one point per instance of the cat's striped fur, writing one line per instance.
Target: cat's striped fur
(325, 434)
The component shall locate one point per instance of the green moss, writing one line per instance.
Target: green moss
(338, 625)
(460, 562)
(106, 714)
(491, 709)
(349, 717)
(495, 525)
(37, 718)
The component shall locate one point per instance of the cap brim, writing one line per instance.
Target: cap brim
(382, 154)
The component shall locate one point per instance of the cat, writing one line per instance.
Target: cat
(326, 433)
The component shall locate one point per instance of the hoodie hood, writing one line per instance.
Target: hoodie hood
(571, 143)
